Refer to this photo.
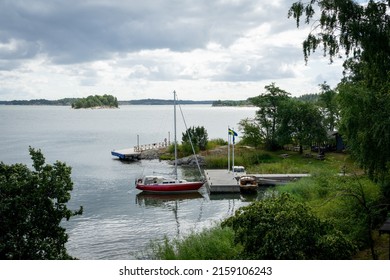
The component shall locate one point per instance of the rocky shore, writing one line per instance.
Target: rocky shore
(185, 161)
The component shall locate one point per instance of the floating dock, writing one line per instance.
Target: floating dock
(127, 154)
(221, 181)
(224, 181)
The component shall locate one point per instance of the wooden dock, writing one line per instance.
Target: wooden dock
(223, 181)
(135, 152)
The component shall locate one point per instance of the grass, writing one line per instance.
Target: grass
(259, 161)
(218, 159)
(215, 243)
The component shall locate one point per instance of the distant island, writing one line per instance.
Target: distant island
(45, 102)
(231, 103)
(96, 101)
(162, 102)
(101, 101)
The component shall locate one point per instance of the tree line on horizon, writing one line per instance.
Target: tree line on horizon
(147, 101)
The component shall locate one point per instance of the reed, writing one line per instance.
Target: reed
(215, 243)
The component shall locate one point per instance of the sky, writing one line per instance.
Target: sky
(132, 49)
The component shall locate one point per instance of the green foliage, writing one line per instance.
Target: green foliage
(32, 206)
(243, 156)
(284, 120)
(362, 33)
(216, 162)
(183, 150)
(311, 97)
(330, 106)
(211, 244)
(214, 143)
(279, 227)
(251, 133)
(267, 115)
(300, 122)
(365, 122)
(198, 136)
(353, 204)
(95, 101)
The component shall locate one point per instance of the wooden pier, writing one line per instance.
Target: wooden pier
(135, 152)
(224, 181)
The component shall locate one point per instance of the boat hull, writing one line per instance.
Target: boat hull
(185, 187)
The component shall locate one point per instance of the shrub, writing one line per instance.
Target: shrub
(352, 203)
(280, 227)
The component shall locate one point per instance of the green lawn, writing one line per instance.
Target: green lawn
(259, 161)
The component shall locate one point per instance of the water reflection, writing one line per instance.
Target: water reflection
(159, 200)
(171, 202)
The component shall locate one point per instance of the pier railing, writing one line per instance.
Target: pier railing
(153, 146)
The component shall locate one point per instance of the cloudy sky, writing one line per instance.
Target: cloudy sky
(203, 49)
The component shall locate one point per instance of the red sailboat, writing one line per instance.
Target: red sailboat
(166, 185)
(159, 184)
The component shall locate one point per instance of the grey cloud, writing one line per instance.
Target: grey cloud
(271, 65)
(76, 31)
(8, 65)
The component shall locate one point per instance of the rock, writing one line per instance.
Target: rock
(191, 161)
(186, 161)
(150, 154)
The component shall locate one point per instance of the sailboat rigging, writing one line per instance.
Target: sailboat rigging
(160, 184)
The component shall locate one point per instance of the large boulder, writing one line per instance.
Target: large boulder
(191, 160)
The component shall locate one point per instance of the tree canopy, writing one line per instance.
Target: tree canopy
(198, 135)
(267, 115)
(302, 123)
(360, 32)
(32, 206)
(96, 101)
(283, 120)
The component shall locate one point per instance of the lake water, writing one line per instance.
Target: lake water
(118, 221)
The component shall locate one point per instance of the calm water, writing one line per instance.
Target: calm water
(118, 221)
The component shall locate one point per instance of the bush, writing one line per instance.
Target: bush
(197, 135)
(214, 143)
(32, 206)
(352, 203)
(280, 227)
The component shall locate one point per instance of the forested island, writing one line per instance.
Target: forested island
(96, 101)
(232, 103)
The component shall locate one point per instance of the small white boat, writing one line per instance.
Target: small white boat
(248, 184)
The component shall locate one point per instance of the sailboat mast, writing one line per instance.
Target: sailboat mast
(174, 128)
